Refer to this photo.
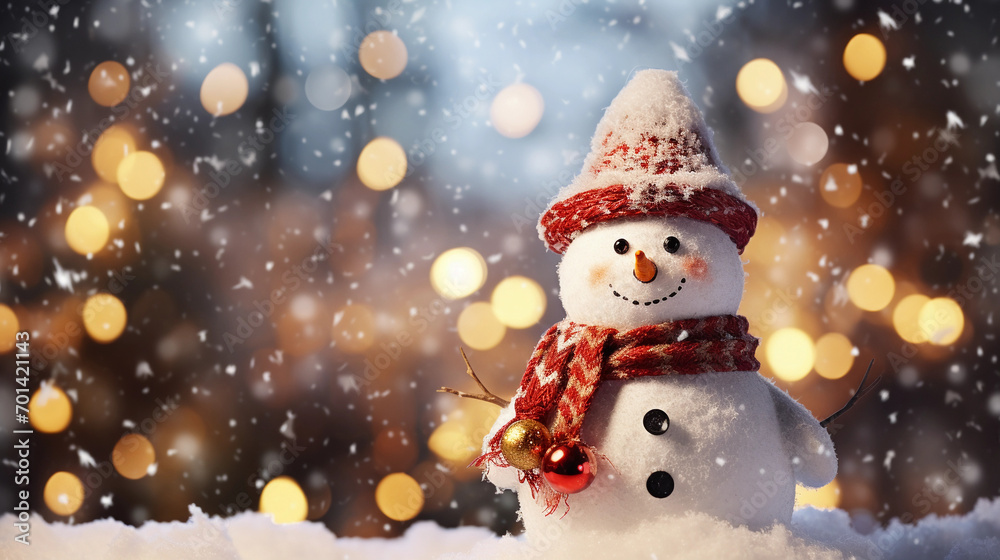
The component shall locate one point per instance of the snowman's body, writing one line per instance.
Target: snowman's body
(723, 450)
(734, 444)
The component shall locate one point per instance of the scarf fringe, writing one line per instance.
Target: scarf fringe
(533, 478)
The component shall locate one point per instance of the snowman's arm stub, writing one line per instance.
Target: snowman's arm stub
(814, 461)
(504, 478)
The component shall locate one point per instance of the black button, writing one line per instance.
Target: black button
(660, 484)
(656, 422)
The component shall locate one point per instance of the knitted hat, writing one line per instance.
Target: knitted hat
(652, 155)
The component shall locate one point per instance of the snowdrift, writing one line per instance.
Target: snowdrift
(814, 534)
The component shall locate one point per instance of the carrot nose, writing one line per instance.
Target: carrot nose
(645, 269)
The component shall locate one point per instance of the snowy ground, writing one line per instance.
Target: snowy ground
(250, 536)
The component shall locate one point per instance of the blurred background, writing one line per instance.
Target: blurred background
(249, 238)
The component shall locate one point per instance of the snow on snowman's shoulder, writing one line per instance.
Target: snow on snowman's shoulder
(814, 534)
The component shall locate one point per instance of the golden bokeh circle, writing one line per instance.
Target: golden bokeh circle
(457, 273)
(224, 90)
(50, 409)
(382, 164)
(87, 230)
(761, 85)
(834, 356)
(108, 84)
(63, 493)
(864, 57)
(104, 317)
(479, 328)
(284, 500)
(133, 455)
(399, 497)
(840, 185)
(870, 287)
(790, 353)
(383, 55)
(141, 175)
(518, 302)
(941, 320)
(453, 441)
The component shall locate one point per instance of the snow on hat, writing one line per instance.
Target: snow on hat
(652, 155)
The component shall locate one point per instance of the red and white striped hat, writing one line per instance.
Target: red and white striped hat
(652, 155)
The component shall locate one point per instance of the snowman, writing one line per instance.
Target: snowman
(645, 403)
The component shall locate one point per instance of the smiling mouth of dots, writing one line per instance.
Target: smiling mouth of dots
(652, 302)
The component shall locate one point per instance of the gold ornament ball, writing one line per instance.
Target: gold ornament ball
(524, 444)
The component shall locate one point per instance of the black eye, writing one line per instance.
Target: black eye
(621, 246)
(656, 422)
(671, 244)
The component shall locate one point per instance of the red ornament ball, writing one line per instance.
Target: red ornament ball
(569, 467)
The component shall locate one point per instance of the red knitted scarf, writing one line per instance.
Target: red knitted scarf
(571, 360)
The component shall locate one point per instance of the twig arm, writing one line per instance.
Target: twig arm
(493, 399)
(862, 391)
(485, 396)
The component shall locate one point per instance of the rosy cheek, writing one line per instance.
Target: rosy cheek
(696, 267)
(598, 275)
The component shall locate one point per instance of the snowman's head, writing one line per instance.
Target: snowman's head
(627, 273)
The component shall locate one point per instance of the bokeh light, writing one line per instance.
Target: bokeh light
(479, 328)
(382, 164)
(807, 143)
(63, 493)
(132, 456)
(399, 497)
(518, 302)
(354, 328)
(790, 353)
(453, 441)
(87, 230)
(104, 317)
(761, 85)
(284, 500)
(941, 320)
(224, 90)
(824, 497)
(141, 175)
(50, 410)
(108, 84)
(383, 55)
(328, 87)
(906, 318)
(864, 57)
(840, 185)
(457, 273)
(110, 149)
(517, 110)
(9, 327)
(834, 356)
(870, 287)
